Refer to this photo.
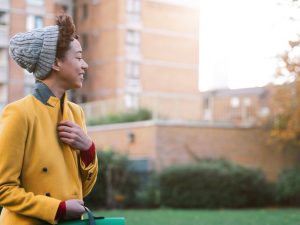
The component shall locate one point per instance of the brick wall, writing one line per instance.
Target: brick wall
(169, 143)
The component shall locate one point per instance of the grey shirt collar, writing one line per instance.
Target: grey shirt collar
(42, 92)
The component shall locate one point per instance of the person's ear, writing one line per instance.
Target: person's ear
(56, 65)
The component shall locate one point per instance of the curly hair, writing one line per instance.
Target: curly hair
(66, 34)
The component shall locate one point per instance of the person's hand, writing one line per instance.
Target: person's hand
(74, 208)
(72, 135)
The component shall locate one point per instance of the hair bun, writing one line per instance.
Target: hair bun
(66, 33)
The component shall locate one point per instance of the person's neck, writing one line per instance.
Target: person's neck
(56, 89)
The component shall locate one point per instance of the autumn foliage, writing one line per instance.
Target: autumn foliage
(286, 98)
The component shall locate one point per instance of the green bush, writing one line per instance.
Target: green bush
(115, 180)
(214, 184)
(148, 194)
(138, 115)
(288, 187)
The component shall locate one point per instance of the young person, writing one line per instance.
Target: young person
(47, 160)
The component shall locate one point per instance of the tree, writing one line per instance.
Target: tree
(285, 119)
(286, 98)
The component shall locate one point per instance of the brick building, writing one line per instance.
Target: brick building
(245, 107)
(138, 47)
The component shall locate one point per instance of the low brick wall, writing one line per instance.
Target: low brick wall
(169, 143)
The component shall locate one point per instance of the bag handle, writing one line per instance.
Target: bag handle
(91, 217)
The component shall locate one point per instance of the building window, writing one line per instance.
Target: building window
(133, 43)
(133, 50)
(85, 11)
(133, 84)
(132, 37)
(75, 15)
(38, 22)
(133, 10)
(4, 18)
(133, 70)
(207, 108)
(3, 57)
(234, 102)
(264, 111)
(3, 96)
(35, 2)
(34, 22)
(3, 65)
(2, 105)
(29, 81)
(134, 6)
(85, 42)
(247, 102)
(131, 100)
(206, 103)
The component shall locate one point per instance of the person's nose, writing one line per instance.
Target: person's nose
(85, 66)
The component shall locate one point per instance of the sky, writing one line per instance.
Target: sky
(240, 39)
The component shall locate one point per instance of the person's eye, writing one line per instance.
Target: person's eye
(79, 58)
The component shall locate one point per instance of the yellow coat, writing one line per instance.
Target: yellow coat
(36, 170)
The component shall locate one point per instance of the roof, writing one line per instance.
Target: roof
(255, 91)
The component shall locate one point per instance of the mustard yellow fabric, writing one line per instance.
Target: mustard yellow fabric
(37, 171)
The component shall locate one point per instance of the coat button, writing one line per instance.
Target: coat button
(48, 194)
(89, 176)
(45, 169)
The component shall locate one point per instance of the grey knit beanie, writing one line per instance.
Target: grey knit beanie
(35, 50)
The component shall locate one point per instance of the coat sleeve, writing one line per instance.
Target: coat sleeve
(88, 173)
(13, 135)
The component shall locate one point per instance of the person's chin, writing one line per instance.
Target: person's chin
(77, 85)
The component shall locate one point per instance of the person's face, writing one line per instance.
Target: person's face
(72, 67)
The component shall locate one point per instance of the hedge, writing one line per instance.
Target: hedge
(214, 184)
(131, 116)
(288, 187)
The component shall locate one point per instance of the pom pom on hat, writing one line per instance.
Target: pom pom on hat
(35, 50)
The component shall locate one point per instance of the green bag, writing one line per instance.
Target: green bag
(93, 220)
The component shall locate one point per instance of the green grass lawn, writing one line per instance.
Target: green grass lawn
(207, 217)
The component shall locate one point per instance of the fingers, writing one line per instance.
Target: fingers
(67, 141)
(78, 201)
(64, 128)
(70, 138)
(67, 123)
(81, 202)
(67, 126)
(73, 135)
(68, 132)
(66, 135)
(74, 208)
